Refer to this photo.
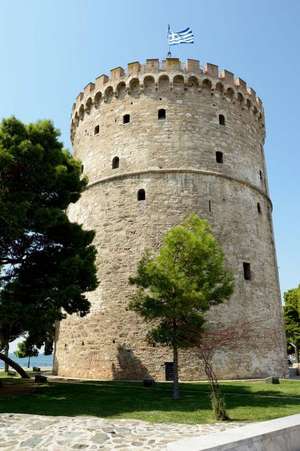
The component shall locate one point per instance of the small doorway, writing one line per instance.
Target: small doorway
(169, 371)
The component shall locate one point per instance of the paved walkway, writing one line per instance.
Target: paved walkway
(37, 432)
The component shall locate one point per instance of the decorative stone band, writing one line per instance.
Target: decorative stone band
(181, 171)
(167, 75)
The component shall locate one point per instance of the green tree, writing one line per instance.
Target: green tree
(47, 263)
(176, 287)
(24, 349)
(292, 318)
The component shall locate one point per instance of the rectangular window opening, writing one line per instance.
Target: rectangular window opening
(247, 271)
(126, 118)
(219, 157)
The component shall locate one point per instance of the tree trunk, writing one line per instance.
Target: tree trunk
(28, 364)
(14, 365)
(6, 351)
(176, 394)
(216, 396)
(297, 354)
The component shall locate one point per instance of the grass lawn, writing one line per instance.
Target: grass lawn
(245, 401)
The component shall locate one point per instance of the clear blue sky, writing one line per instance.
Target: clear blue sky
(50, 49)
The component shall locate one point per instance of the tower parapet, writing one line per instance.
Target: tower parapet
(171, 74)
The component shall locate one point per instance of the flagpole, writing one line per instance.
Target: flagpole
(169, 52)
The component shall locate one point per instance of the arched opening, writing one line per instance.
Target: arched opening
(240, 98)
(96, 130)
(221, 119)
(115, 163)
(149, 85)
(126, 118)
(141, 194)
(219, 88)
(88, 105)
(193, 83)
(98, 97)
(248, 104)
(81, 169)
(229, 93)
(161, 115)
(206, 84)
(178, 83)
(108, 95)
(219, 157)
(134, 87)
(163, 83)
(121, 90)
(81, 112)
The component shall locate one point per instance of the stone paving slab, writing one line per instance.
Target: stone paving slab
(37, 432)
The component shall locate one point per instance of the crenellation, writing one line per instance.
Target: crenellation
(133, 68)
(212, 70)
(227, 76)
(259, 101)
(242, 85)
(79, 98)
(101, 81)
(252, 94)
(221, 82)
(88, 89)
(193, 65)
(152, 65)
(172, 64)
(117, 73)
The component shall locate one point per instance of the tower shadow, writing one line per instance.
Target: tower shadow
(129, 366)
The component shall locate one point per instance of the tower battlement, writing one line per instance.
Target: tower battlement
(171, 74)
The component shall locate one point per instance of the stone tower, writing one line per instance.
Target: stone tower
(158, 142)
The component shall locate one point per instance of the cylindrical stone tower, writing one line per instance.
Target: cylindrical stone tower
(158, 142)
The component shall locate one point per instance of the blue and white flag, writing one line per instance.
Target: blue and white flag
(180, 37)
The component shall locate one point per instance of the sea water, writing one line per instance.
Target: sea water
(41, 361)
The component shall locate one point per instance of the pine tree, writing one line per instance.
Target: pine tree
(178, 286)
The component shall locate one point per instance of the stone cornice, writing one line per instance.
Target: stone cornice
(179, 171)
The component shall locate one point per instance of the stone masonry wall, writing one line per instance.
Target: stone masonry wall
(174, 161)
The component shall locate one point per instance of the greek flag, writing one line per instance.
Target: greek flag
(180, 37)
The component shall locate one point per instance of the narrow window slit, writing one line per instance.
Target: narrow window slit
(126, 118)
(161, 114)
(141, 195)
(219, 157)
(115, 163)
(221, 119)
(247, 271)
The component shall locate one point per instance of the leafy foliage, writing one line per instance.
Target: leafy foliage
(178, 286)
(292, 316)
(47, 263)
(25, 350)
